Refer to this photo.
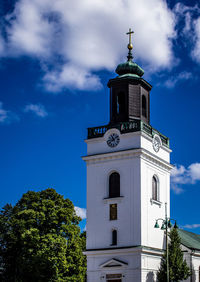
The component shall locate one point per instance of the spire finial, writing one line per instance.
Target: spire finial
(130, 45)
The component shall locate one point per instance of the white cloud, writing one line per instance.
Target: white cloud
(38, 109)
(3, 113)
(176, 189)
(196, 50)
(172, 81)
(29, 32)
(188, 23)
(191, 29)
(181, 175)
(194, 172)
(178, 174)
(192, 226)
(2, 45)
(71, 76)
(89, 36)
(80, 212)
(181, 9)
(186, 14)
(7, 116)
(100, 27)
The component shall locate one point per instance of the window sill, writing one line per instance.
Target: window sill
(115, 199)
(155, 202)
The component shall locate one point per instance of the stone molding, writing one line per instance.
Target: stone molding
(125, 154)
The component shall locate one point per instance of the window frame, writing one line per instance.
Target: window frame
(114, 237)
(155, 195)
(111, 190)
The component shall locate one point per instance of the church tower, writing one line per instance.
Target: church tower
(128, 184)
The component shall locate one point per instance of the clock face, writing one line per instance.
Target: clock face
(113, 140)
(157, 143)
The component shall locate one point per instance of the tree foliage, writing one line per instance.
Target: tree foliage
(40, 240)
(178, 269)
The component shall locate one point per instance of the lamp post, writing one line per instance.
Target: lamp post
(166, 223)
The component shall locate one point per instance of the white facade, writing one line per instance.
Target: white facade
(192, 258)
(136, 257)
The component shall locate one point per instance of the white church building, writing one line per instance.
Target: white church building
(128, 187)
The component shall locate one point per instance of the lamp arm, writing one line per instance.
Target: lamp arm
(171, 219)
(160, 219)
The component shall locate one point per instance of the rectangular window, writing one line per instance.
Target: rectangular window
(113, 211)
(113, 277)
(114, 237)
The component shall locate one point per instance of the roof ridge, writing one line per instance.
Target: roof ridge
(189, 232)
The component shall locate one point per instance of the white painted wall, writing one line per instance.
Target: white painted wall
(149, 267)
(99, 227)
(136, 162)
(141, 266)
(128, 141)
(195, 266)
(193, 261)
(150, 211)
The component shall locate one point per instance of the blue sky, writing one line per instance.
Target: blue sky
(56, 58)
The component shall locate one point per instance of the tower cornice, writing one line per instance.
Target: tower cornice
(125, 249)
(130, 153)
(131, 79)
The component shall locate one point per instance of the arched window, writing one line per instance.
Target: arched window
(120, 103)
(114, 185)
(114, 237)
(144, 106)
(155, 188)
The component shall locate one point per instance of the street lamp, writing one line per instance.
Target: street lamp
(166, 223)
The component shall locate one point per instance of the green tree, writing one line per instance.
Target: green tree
(178, 269)
(40, 240)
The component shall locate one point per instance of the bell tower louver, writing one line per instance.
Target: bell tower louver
(129, 92)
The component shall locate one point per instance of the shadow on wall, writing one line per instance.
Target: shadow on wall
(164, 242)
(150, 277)
(193, 275)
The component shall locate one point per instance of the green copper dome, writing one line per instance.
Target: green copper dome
(129, 67)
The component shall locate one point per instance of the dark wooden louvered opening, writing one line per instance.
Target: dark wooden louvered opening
(144, 106)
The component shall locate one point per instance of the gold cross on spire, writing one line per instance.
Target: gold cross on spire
(130, 45)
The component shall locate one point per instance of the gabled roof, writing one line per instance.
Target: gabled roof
(114, 263)
(189, 239)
